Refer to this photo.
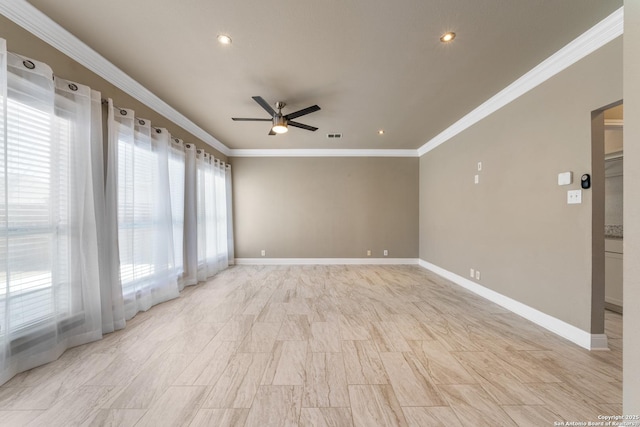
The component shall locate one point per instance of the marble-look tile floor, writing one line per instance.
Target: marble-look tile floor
(323, 346)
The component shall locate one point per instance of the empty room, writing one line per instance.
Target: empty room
(297, 213)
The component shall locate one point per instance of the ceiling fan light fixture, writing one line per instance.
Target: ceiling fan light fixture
(447, 37)
(279, 124)
(280, 129)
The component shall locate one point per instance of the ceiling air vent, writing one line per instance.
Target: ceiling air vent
(334, 135)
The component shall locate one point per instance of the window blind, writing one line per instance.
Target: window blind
(30, 209)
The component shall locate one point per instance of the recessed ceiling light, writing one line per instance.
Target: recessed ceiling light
(224, 39)
(381, 132)
(447, 37)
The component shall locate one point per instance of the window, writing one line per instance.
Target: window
(212, 216)
(49, 277)
(136, 223)
(80, 255)
(143, 207)
(35, 212)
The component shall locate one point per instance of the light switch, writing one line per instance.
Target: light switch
(574, 197)
(476, 179)
(565, 178)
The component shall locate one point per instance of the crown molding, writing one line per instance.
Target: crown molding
(310, 152)
(43, 27)
(591, 40)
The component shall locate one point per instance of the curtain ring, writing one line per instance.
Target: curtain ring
(158, 130)
(28, 64)
(141, 122)
(73, 87)
(123, 112)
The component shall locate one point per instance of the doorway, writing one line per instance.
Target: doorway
(607, 223)
(613, 207)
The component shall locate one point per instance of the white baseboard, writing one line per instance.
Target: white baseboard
(599, 342)
(576, 335)
(326, 261)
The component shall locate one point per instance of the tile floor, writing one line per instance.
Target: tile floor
(323, 346)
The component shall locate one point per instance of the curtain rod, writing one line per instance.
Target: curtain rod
(104, 101)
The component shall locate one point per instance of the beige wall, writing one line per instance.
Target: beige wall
(631, 344)
(515, 225)
(326, 207)
(24, 43)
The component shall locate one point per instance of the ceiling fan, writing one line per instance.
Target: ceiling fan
(281, 122)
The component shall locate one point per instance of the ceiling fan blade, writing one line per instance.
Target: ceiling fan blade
(302, 112)
(242, 119)
(264, 105)
(271, 133)
(302, 126)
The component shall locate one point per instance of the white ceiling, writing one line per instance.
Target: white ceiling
(369, 64)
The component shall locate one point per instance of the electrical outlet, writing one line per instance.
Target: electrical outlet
(477, 274)
(263, 252)
(368, 252)
(574, 197)
(472, 273)
(385, 252)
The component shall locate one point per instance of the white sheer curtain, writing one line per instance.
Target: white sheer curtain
(83, 249)
(211, 214)
(190, 276)
(220, 184)
(113, 316)
(138, 173)
(49, 274)
(229, 192)
(205, 202)
(176, 184)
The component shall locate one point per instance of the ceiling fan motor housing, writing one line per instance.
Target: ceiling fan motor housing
(279, 120)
